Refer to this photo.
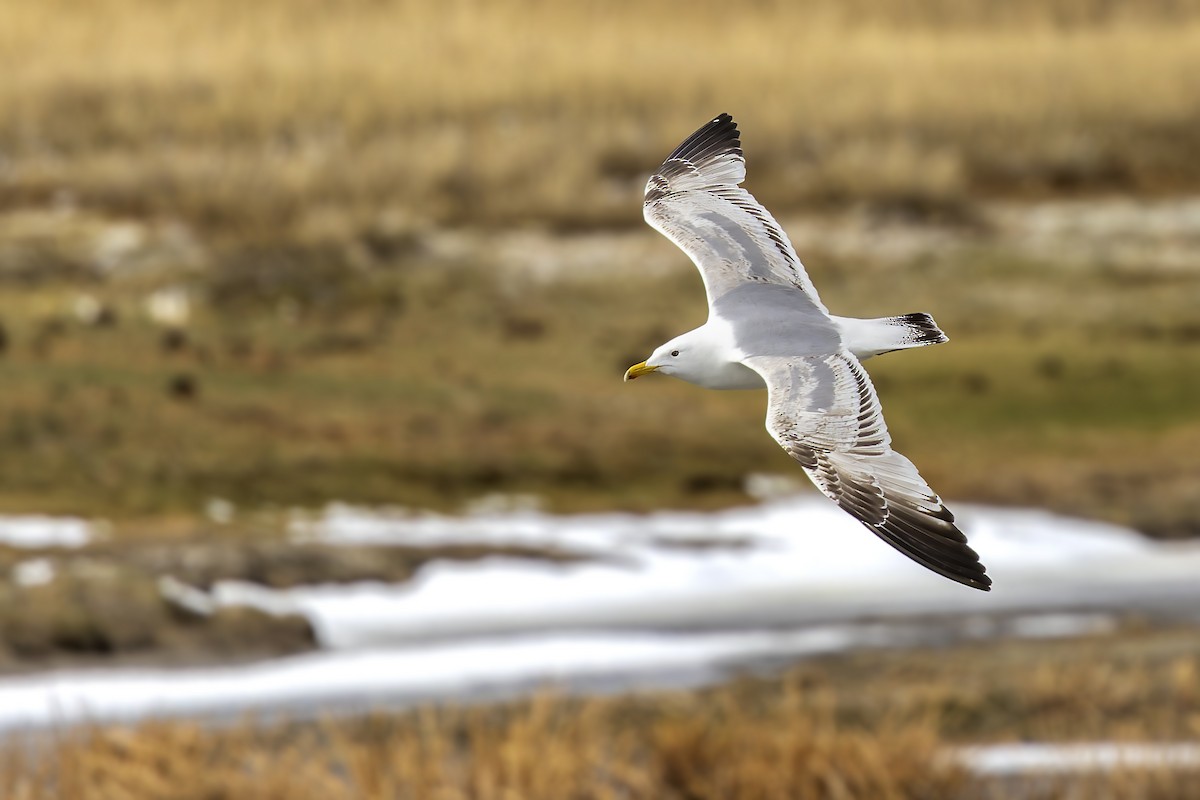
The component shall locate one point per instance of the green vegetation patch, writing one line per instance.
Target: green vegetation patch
(483, 381)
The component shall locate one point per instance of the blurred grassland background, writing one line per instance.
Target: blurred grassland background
(332, 190)
(254, 122)
(290, 252)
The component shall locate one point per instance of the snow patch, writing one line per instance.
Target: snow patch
(35, 531)
(34, 572)
(1001, 760)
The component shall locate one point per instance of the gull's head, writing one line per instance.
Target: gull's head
(669, 359)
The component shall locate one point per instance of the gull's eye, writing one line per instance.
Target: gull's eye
(674, 352)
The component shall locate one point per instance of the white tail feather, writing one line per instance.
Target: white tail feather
(871, 337)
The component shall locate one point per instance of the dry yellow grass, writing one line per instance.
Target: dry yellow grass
(546, 749)
(268, 118)
(873, 726)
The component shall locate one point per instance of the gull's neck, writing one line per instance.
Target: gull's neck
(715, 360)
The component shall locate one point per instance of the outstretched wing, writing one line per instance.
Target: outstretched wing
(824, 412)
(695, 201)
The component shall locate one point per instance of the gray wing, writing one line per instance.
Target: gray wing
(695, 201)
(824, 412)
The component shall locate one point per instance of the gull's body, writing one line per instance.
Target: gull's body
(767, 328)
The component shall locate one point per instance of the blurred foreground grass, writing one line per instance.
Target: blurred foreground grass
(873, 725)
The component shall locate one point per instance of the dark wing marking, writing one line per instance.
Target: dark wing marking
(824, 412)
(695, 201)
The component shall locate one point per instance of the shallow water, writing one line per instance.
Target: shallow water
(35, 531)
(792, 561)
(668, 599)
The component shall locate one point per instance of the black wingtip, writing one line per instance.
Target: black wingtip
(718, 136)
(929, 540)
(934, 543)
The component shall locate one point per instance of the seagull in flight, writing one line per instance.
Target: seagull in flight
(767, 328)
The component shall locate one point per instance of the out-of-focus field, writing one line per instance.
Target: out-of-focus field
(291, 169)
(286, 119)
(289, 252)
(867, 726)
(428, 382)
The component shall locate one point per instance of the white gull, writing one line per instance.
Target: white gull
(767, 328)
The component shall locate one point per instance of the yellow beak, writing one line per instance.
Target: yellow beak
(638, 370)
